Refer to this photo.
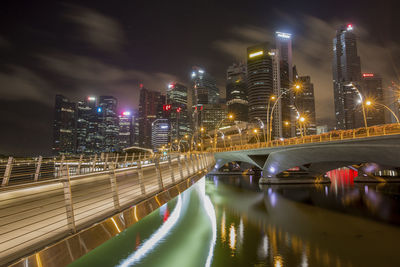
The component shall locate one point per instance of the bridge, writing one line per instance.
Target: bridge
(55, 210)
(306, 159)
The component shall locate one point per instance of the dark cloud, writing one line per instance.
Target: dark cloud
(100, 31)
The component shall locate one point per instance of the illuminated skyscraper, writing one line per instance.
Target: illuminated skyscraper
(204, 91)
(177, 98)
(159, 133)
(260, 81)
(87, 126)
(125, 134)
(346, 70)
(236, 91)
(305, 105)
(371, 88)
(108, 123)
(149, 109)
(284, 52)
(64, 126)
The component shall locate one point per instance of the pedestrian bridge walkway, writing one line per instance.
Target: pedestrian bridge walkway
(42, 205)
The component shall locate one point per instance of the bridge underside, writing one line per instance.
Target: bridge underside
(313, 161)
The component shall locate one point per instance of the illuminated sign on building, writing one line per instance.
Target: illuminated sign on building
(91, 98)
(283, 35)
(164, 126)
(349, 27)
(258, 53)
(167, 107)
(368, 75)
(99, 109)
(271, 53)
(126, 113)
(171, 86)
(179, 109)
(201, 71)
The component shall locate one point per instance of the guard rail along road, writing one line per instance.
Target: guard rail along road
(45, 200)
(364, 132)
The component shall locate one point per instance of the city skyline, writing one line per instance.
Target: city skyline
(91, 64)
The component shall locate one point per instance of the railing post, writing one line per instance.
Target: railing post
(106, 163)
(133, 158)
(180, 167)
(69, 207)
(158, 171)
(39, 164)
(140, 176)
(201, 161)
(94, 163)
(78, 171)
(7, 172)
(116, 161)
(187, 165)
(171, 169)
(61, 165)
(192, 163)
(114, 188)
(126, 158)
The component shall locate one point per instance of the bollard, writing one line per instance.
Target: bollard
(140, 176)
(159, 174)
(78, 171)
(180, 167)
(171, 169)
(69, 207)
(114, 187)
(7, 172)
(39, 163)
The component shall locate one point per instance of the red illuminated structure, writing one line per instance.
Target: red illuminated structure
(368, 75)
(167, 107)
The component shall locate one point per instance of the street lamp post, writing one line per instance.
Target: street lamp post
(263, 127)
(230, 117)
(370, 103)
(362, 107)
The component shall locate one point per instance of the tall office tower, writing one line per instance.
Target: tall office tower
(108, 123)
(159, 133)
(204, 91)
(211, 115)
(371, 88)
(86, 126)
(236, 91)
(260, 81)
(125, 134)
(305, 105)
(64, 126)
(177, 103)
(149, 108)
(135, 128)
(283, 43)
(346, 69)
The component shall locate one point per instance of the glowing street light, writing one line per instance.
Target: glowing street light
(230, 117)
(370, 103)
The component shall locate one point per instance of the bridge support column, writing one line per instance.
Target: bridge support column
(158, 171)
(171, 169)
(114, 188)
(180, 167)
(140, 176)
(69, 207)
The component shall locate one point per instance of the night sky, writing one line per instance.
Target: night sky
(78, 48)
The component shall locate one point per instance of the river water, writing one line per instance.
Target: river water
(232, 221)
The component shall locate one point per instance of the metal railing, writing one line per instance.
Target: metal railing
(80, 192)
(373, 131)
